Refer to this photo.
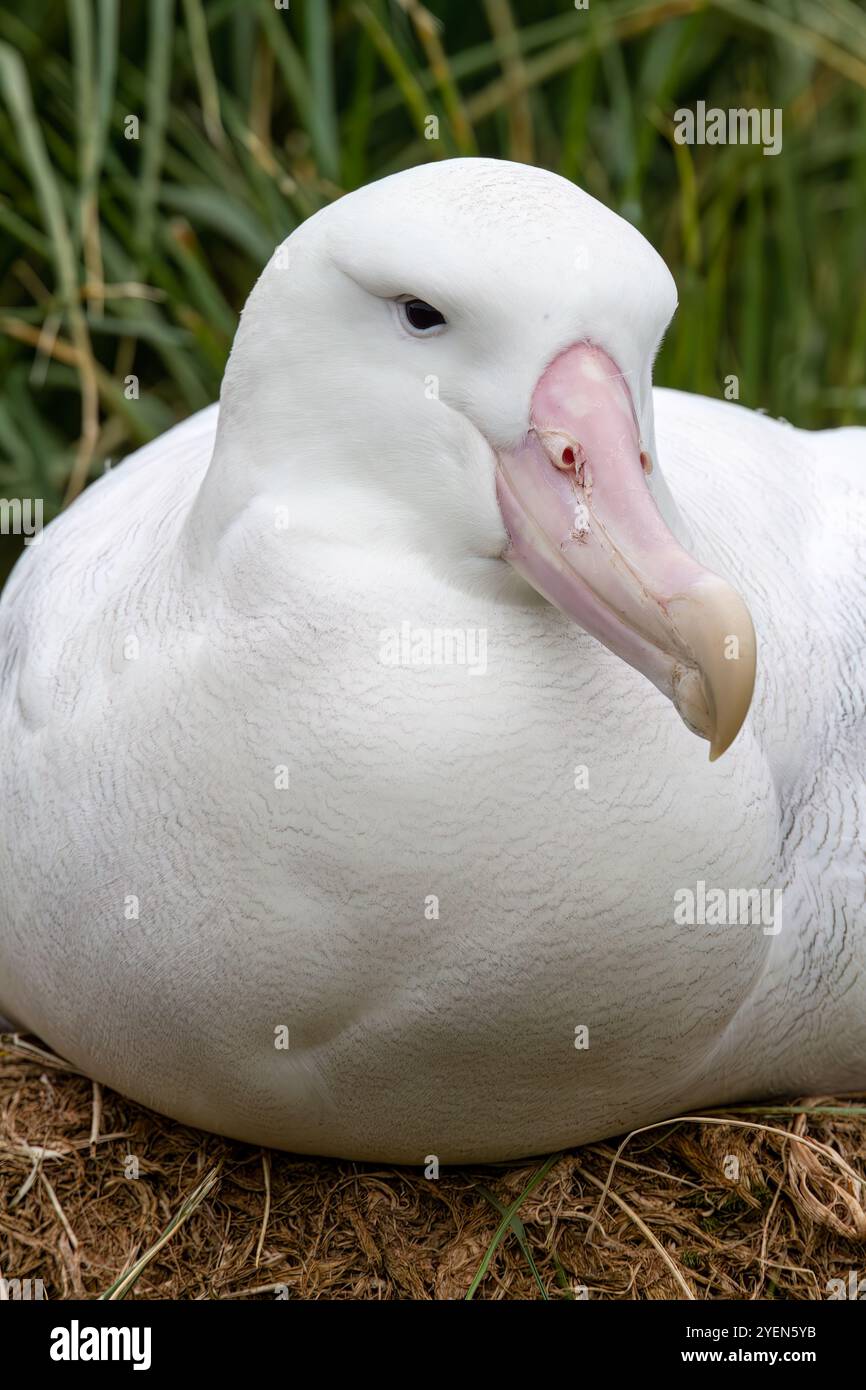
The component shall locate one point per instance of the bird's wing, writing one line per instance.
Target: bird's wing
(56, 600)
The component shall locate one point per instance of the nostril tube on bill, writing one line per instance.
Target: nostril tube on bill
(563, 451)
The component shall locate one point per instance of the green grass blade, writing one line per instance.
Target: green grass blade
(160, 38)
(505, 1223)
(322, 112)
(519, 1231)
(196, 28)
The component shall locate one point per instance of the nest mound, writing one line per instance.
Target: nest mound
(100, 1196)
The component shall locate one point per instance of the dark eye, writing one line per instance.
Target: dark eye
(421, 316)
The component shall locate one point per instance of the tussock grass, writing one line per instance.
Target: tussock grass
(121, 257)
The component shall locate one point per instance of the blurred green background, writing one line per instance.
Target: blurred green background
(122, 256)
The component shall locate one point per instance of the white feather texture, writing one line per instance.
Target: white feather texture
(213, 612)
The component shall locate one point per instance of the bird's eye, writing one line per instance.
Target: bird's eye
(420, 316)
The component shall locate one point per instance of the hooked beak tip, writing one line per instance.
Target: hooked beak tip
(715, 626)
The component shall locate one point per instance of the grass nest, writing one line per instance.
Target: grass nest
(100, 1197)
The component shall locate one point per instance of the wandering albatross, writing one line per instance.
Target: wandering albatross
(346, 805)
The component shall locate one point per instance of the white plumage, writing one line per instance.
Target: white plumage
(225, 815)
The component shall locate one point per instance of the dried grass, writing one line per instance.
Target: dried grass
(210, 1218)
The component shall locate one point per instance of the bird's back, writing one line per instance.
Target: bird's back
(783, 511)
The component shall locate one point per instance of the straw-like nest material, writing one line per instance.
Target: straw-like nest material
(746, 1204)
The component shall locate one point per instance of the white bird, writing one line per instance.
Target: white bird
(324, 828)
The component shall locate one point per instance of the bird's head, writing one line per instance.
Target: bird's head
(457, 361)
